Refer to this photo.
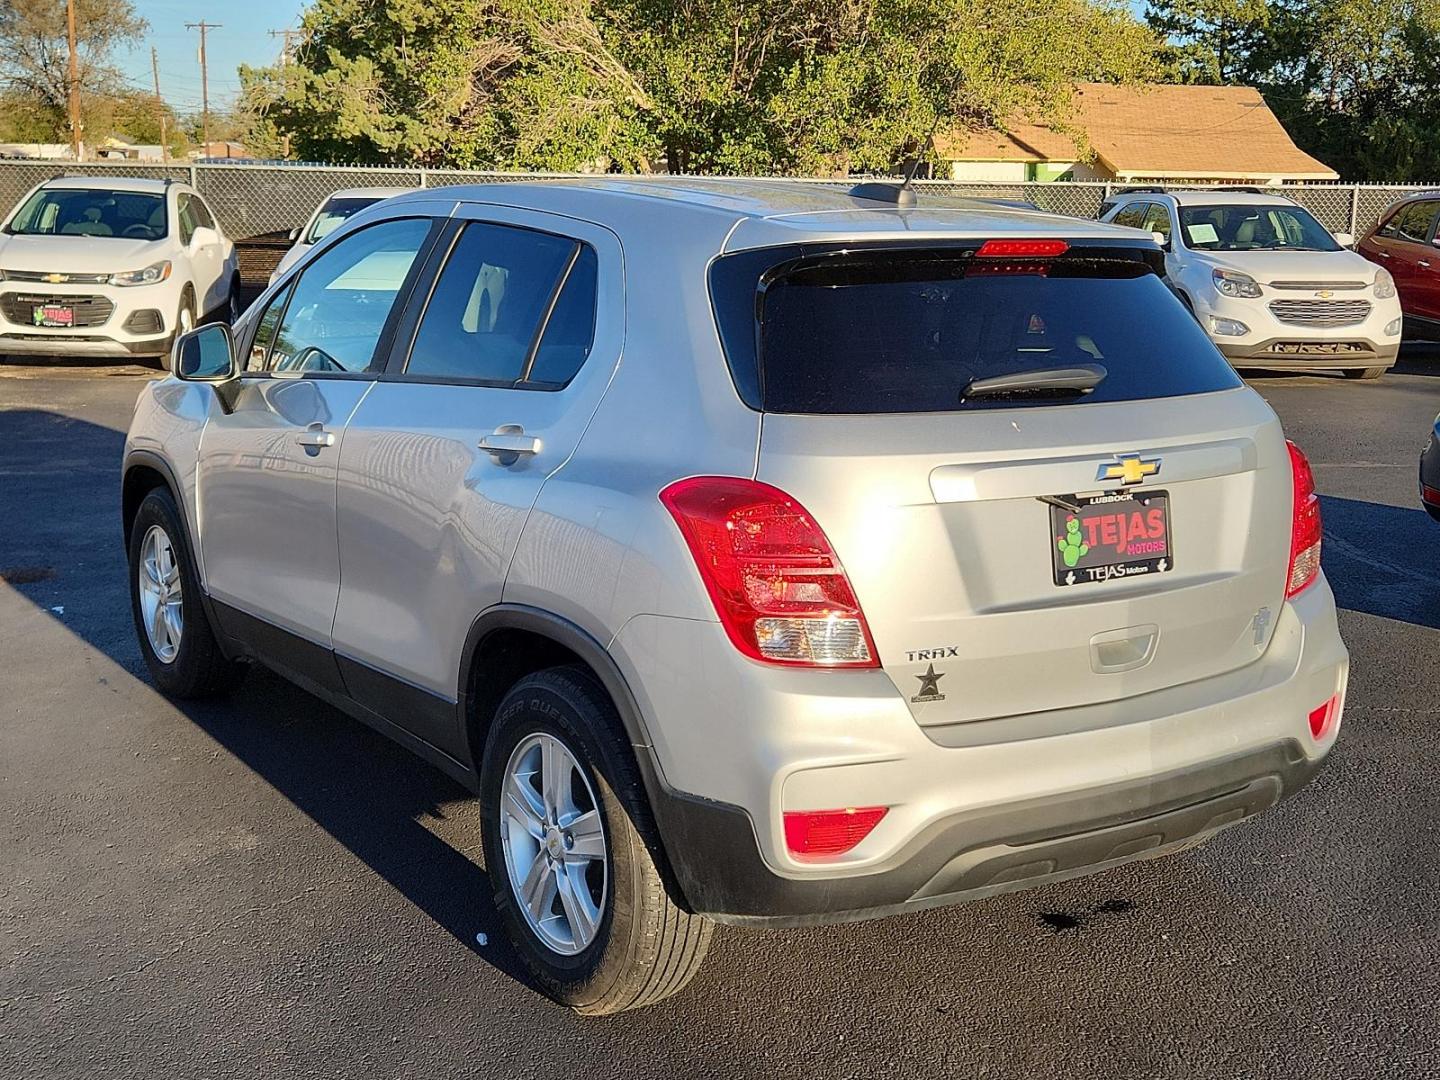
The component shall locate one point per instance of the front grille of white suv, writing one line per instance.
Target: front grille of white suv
(1321, 312)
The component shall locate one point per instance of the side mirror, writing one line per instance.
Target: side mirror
(205, 355)
(1344, 239)
(1161, 239)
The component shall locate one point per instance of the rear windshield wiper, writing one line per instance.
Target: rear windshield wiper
(1080, 379)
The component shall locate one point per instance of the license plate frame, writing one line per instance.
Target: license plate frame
(1108, 543)
(55, 315)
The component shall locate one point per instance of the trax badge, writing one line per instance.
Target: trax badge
(1129, 469)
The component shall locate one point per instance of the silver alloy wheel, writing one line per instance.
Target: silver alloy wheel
(158, 576)
(554, 841)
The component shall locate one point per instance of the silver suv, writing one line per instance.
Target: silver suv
(758, 553)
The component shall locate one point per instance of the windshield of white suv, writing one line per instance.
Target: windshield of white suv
(939, 329)
(1253, 227)
(134, 215)
(334, 214)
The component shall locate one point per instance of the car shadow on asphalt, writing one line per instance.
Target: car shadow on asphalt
(62, 551)
(1380, 559)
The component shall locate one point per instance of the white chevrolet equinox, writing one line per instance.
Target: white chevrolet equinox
(758, 553)
(1268, 283)
(111, 267)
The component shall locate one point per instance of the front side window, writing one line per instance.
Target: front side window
(265, 330)
(339, 306)
(1254, 227)
(498, 289)
(1413, 223)
(1157, 219)
(134, 215)
(185, 206)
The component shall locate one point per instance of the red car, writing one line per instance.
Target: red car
(1406, 244)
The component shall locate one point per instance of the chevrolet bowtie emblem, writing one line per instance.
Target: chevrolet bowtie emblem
(1324, 294)
(55, 279)
(1129, 469)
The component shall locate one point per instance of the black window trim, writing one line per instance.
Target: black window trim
(373, 370)
(396, 367)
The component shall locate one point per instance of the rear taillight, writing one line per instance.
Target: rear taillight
(1304, 525)
(1323, 718)
(1430, 495)
(776, 583)
(829, 832)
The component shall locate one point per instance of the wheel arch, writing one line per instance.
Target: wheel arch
(144, 472)
(510, 641)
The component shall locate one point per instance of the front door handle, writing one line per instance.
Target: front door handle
(508, 442)
(315, 436)
(1425, 263)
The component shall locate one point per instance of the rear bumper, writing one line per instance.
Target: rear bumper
(978, 853)
(974, 809)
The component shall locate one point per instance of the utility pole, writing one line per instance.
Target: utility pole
(204, 26)
(76, 147)
(160, 106)
(287, 51)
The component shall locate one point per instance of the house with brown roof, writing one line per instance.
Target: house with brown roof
(1191, 134)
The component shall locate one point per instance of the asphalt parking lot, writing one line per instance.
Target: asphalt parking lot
(263, 887)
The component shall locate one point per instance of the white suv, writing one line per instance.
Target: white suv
(1269, 284)
(95, 266)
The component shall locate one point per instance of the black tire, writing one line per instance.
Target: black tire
(199, 668)
(233, 307)
(646, 947)
(187, 306)
(1365, 373)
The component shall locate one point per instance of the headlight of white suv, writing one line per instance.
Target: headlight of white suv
(1234, 283)
(151, 275)
(1384, 284)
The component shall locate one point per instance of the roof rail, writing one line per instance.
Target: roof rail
(902, 195)
(1143, 189)
(1249, 189)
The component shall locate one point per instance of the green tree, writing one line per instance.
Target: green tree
(34, 54)
(1213, 41)
(723, 86)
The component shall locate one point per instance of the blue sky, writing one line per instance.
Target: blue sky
(241, 39)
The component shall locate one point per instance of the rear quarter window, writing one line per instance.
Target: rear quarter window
(856, 330)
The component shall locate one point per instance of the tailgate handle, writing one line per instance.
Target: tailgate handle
(1123, 650)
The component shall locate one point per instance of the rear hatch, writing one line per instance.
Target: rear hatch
(1047, 487)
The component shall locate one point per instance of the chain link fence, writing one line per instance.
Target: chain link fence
(256, 200)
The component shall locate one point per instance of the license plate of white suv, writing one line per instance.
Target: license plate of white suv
(54, 315)
(1115, 535)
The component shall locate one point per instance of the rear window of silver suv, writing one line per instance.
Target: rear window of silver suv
(832, 329)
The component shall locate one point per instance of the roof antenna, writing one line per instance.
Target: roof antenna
(903, 196)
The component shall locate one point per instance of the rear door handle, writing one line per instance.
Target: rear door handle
(508, 442)
(315, 436)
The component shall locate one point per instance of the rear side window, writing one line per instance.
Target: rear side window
(909, 330)
(1131, 216)
(511, 305)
